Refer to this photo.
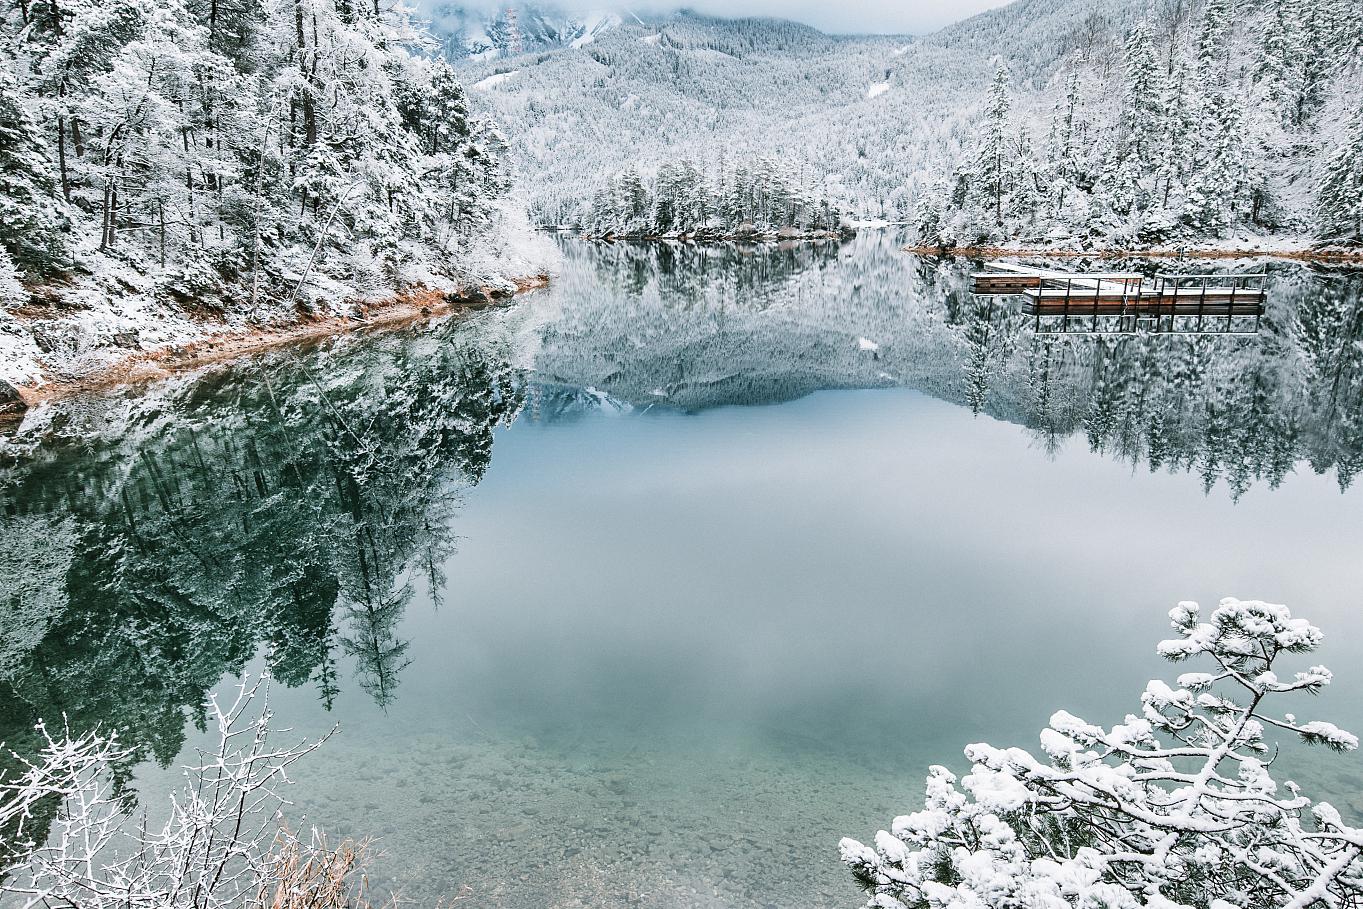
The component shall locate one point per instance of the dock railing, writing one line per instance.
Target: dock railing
(1222, 290)
(1127, 301)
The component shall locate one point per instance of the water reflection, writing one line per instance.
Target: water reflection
(154, 544)
(1238, 408)
(291, 509)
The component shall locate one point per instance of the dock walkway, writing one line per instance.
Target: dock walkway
(1126, 301)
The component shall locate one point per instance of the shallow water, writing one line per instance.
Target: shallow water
(650, 588)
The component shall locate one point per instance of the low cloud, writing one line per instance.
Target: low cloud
(914, 17)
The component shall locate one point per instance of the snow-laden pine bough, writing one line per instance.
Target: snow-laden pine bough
(1175, 807)
(222, 842)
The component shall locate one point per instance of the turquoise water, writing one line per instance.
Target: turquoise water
(647, 590)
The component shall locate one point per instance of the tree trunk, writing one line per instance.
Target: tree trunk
(309, 110)
(104, 219)
(113, 214)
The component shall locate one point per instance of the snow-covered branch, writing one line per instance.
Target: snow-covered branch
(219, 841)
(1175, 806)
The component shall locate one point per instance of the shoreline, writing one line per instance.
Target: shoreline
(216, 347)
(1325, 256)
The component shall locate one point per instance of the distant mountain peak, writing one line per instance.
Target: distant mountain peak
(479, 32)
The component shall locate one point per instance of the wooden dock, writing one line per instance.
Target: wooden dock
(1123, 301)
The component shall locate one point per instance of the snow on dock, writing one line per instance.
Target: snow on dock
(1134, 301)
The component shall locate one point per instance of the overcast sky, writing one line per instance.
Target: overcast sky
(883, 16)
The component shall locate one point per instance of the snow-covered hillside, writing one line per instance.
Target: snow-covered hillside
(894, 122)
(711, 91)
(170, 171)
(882, 116)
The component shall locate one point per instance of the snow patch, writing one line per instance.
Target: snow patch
(877, 89)
(494, 80)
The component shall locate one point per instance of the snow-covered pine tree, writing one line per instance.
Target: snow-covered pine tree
(1279, 51)
(31, 237)
(11, 291)
(1063, 142)
(990, 168)
(1312, 59)
(1218, 181)
(1339, 198)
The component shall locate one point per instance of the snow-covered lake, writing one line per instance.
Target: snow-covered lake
(727, 548)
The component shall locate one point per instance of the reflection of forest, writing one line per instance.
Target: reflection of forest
(1244, 409)
(287, 510)
(694, 328)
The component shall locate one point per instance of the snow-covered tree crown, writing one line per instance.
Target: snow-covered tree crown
(1172, 807)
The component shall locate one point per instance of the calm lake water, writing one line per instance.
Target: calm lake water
(647, 589)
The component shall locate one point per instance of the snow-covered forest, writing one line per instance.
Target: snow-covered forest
(1064, 122)
(1195, 121)
(766, 197)
(161, 161)
(666, 89)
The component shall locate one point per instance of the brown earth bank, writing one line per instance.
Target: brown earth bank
(1334, 255)
(224, 346)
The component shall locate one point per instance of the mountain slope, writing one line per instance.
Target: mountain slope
(892, 123)
(877, 114)
(689, 86)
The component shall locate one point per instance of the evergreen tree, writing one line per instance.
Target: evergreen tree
(991, 166)
(1339, 198)
(31, 236)
(1141, 100)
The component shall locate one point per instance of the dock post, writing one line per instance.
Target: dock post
(1065, 312)
(1159, 304)
(1230, 310)
(1201, 304)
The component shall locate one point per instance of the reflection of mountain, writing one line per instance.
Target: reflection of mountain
(288, 509)
(694, 328)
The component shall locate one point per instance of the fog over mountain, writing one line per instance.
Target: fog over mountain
(884, 17)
